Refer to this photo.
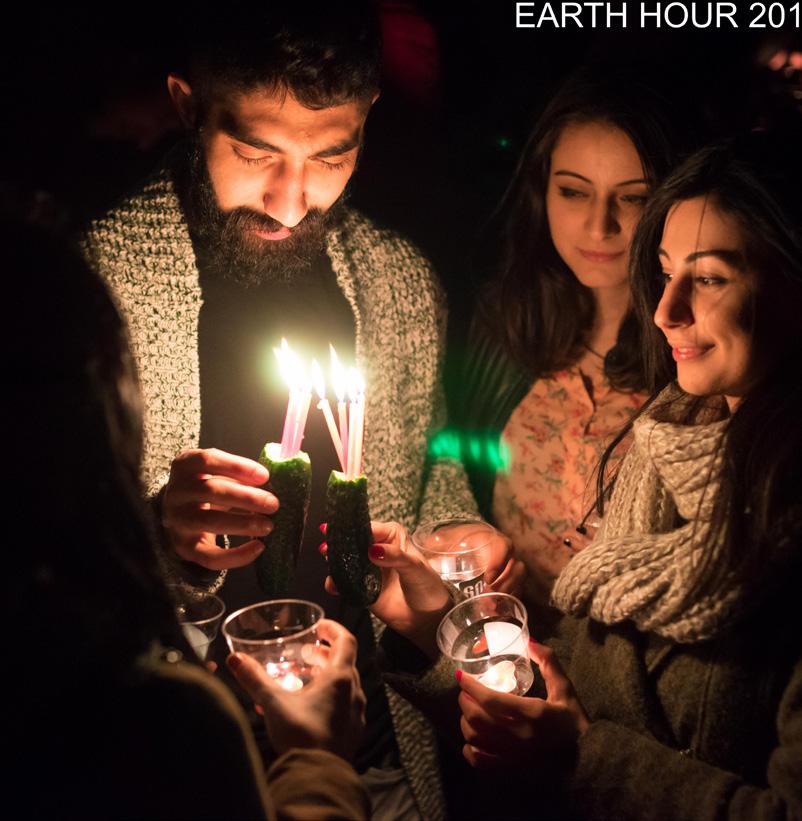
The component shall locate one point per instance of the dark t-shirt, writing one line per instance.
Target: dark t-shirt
(243, 402)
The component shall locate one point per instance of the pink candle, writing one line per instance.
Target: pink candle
(323, 404)
(304, 400)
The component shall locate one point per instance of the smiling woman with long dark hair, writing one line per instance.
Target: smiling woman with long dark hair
(674, 680)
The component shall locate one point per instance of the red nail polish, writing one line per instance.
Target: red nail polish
(458, 674)
(376, 552)
(234, 661)
(323, 527)
(323, 548)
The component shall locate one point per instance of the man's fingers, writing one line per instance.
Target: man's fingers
(343, 644)
(194, 520)
(214, 462)
(224, 494)
(218, 558)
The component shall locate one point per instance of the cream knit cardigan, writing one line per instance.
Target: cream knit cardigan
(143, 249)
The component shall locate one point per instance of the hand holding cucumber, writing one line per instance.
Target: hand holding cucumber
(413, 598)
(211, 493)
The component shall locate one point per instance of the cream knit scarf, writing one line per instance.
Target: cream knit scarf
(640, 566)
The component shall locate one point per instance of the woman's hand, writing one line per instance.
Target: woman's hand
(511, 731)
(413, 598)
(328, 713)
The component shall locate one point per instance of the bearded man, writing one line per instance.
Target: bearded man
(244, 237)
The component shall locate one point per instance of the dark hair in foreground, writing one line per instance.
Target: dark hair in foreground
(536, 307)
(85, 575)
(757, 180)
(323, 53)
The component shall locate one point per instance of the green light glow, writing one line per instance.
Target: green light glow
(486, 450)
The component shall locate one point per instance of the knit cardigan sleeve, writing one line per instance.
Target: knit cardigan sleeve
(621, 773)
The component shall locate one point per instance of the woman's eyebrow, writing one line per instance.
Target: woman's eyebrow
(563, 172)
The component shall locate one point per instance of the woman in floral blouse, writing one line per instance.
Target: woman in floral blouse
(556, 364)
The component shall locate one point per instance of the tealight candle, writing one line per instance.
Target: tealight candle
(500, 677)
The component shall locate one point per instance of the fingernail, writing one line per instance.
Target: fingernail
(323, 548)
(261, 474)
(234, 661)
(458, 674)
(261, 526)
(376, 552)
(323, 527)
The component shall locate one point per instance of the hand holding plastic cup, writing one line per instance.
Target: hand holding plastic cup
(282, 636)
(487, 636)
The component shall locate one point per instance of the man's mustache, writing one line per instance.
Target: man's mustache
(247, 219)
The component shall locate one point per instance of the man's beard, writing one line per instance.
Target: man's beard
(226, 242)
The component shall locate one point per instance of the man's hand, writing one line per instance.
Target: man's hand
(328, 713)
(210, 493)
(502, 730)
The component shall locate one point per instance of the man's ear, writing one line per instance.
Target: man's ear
(181, 94)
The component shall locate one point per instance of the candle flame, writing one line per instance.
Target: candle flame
(292, 371)
(339, 378)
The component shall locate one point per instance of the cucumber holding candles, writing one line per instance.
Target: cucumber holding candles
(349, 537)
(291, 482)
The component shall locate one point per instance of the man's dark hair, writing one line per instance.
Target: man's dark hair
(324, 54)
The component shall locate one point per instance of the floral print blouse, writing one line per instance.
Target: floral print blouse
(554, 440)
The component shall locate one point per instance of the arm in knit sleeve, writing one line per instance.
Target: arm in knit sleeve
(447, 492)
(622, 774)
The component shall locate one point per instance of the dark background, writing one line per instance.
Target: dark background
(87, 114)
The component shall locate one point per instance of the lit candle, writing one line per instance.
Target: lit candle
(283, 355)
(298, 404)
(323, 404)
(291, 683)
(500, 677)
(285, 678)
(339, 381)
(356, 419)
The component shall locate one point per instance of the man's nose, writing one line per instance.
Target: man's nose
(285, 198)
(674, 309)
(602, 219)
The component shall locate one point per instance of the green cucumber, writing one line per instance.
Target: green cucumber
(291, 483)
(349, 537)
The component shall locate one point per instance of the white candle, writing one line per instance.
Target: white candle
(500, 677)
(338, 381)
(291, 683)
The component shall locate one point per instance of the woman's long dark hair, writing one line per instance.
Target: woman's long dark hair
(757, 180)
(85, 569)
(535, 306)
